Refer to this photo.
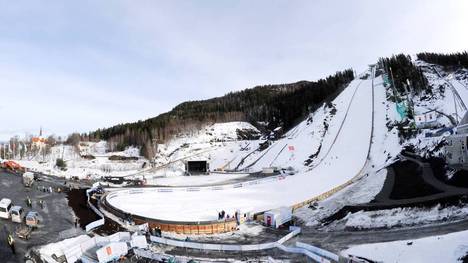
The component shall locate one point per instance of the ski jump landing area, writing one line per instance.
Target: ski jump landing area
(195, 209)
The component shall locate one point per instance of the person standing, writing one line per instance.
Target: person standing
(28, 201)
(11, 243)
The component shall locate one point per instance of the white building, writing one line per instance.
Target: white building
(426, 119)
(456, 151)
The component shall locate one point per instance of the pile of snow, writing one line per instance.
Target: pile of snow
(444, 248)
(404, 217)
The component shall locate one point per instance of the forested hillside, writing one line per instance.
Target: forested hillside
(270, 105)
(266, 107)
(401, 69)
(447, 60)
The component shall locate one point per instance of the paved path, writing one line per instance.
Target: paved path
(338, 240)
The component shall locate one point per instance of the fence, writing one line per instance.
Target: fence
(116, 192)
(318, 251)
(298, 250)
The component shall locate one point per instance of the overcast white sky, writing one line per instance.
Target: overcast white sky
(81, 65)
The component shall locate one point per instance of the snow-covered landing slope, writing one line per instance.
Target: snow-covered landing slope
(344, 161)
(313, 136)
(385, 146)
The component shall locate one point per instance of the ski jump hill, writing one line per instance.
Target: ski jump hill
(194, 210)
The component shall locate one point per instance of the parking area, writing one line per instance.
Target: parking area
(58, 220)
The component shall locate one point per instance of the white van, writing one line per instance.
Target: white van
(28, 179)
(5, 206)
(17, 214)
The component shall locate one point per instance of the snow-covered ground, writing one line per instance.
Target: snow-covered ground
(362, 191)
(386, 145)
(442, 98)
(328, 141)
(344, 161)
(217, 143)
(385, 142)
(398, 217)
(314, 135)
(84, 168)
(444, 248)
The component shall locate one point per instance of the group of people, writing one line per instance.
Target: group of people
(156, 231)
(128, 218)
(29, 203)
(222, 215)
(47, 189)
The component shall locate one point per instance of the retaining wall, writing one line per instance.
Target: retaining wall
(225, 247)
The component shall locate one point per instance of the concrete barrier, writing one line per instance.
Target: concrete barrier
(96, 223)
(319, 251)
(310, 254)
(224, 247)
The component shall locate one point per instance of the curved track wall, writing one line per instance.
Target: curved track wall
(188, 228)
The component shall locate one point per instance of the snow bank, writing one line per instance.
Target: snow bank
(443, 248)
(363, 191)
(404, 217)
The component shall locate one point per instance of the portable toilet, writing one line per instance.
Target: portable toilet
(277, 217)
